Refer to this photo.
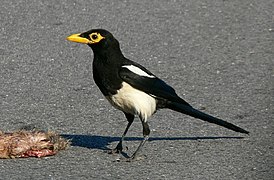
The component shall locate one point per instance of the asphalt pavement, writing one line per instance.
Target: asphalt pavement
(218, 55)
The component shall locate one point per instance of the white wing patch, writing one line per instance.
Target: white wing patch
(138, 71)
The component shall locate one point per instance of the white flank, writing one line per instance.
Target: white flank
(133, 101)
(138, 71)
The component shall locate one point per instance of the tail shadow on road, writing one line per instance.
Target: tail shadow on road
(101, 142)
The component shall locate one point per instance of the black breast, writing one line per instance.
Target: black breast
(106, 78)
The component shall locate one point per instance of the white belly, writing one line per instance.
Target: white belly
(133, 101)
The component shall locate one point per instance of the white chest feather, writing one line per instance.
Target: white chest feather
(133, 101)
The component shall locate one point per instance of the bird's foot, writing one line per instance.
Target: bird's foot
(114, 151)
(117, 150)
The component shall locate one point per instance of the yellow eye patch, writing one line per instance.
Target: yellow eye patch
(92, 38)
(96, 37)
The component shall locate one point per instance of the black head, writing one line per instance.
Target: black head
(97, 39)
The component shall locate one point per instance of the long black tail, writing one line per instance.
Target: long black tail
(200, 115)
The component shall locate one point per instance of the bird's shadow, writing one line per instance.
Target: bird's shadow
(102, 142)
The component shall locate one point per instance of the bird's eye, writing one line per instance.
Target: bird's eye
(94, 36)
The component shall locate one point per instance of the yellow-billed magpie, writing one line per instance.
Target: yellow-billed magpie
(132, 88)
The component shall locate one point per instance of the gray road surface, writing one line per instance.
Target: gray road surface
(217, 54)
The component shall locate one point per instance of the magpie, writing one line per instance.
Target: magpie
(133, 89)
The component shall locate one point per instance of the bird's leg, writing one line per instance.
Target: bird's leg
(119, 146)
(146, 132)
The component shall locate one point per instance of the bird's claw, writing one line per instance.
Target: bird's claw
(114, 151)
(118, 150)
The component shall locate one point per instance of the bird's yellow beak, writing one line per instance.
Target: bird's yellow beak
(78, 39)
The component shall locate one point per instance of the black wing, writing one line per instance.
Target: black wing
(150, 85)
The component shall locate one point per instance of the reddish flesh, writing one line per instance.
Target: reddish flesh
(38, 153)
